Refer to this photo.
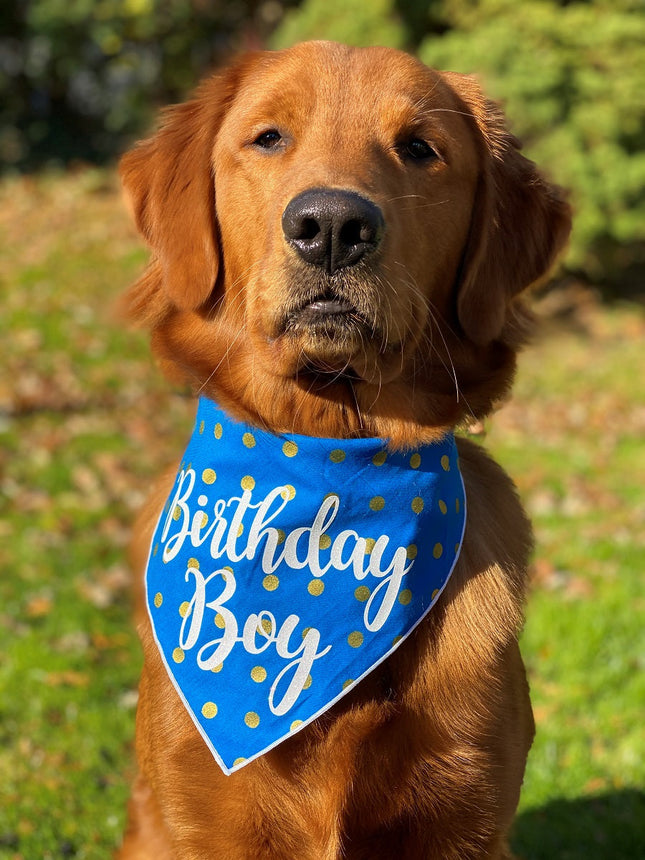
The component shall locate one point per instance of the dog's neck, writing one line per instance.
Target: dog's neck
(341, 407)
(427, 400)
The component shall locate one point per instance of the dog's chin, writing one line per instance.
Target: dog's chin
(328, 337)
(309, 355)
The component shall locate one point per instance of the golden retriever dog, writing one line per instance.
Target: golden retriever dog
(339, 237)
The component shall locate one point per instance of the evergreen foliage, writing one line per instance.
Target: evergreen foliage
(78, 78)
(352, 21)
(572, 79)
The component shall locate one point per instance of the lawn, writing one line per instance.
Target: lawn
(86, 421)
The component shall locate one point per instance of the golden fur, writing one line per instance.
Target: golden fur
(425, 758)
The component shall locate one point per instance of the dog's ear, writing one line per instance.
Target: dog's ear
(169, 183)
(520, 221)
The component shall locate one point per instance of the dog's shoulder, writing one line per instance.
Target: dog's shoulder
(495, 512)
(490, 580)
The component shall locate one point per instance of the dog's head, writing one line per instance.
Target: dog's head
(339, 236)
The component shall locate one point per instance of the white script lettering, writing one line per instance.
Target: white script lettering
(262, 625)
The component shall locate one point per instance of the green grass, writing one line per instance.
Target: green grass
(573, 439)
(86, 422)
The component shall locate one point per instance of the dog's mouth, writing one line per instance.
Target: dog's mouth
(326, 305)
(326, 316)
(331, 329)
(329, 333)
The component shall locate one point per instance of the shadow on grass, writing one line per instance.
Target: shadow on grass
(603, 827)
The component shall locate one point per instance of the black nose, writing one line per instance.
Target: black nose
(332, 229)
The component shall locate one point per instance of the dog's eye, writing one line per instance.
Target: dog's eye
(418, 149)
(268, 139)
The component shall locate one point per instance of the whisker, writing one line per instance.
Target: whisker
(427, 205)
(437, 323)
(405, 197)
(224, 358)
(449, 110)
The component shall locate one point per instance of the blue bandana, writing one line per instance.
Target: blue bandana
(283, 569)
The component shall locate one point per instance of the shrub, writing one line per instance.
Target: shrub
(77, 77)
(352, 21)
(572, 80)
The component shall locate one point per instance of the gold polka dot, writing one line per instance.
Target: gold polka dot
(445, 463)
(457, 547)
(158, 599)
(337, 455)
(417, 504)
(209, 710)
(434, 593)
(176, 513)
(295, 724)
(411, 551)
(259, 674)
(324, 542)
(369, 545)
(239, 760)
(443, 507)
(156, 549)
(289, 492)
(308, 683)
(305, 631)
(380, 458)
(355, 639)
(219, 621)
(396, 640)
(437, 552)
(192, 562)
(217, 668)
(415, 461)
(282, 535)
(201, 427)
(270, 582)
(240, 530)
(289, 449)
(457, 505)
(252, 720)
(217, 431)
(316, 587)
(204, 521)
(183, 609)
(209, 476)
(178, 655)
(362, 593)
(247, 482)
(348, 683)
(266, 626)
(249, 440)
(405, 597)
(377, 503)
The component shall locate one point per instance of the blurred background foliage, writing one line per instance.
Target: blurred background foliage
(79, 79)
